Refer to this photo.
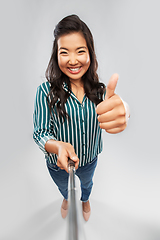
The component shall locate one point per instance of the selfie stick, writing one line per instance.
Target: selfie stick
(75, 231)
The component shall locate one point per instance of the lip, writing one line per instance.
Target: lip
(74, 70)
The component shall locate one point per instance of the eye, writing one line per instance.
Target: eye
(81, 51)
(64, 53)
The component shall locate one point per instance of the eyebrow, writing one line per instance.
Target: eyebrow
(67, 49)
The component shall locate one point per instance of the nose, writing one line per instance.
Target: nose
(73, 59)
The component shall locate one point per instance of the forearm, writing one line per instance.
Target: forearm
(43, 131)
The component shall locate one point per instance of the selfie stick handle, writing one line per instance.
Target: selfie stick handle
(75, 231)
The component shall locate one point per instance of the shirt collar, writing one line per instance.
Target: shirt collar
(65, 87)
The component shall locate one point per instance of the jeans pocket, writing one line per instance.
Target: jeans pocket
(54, 167)
(94, 159)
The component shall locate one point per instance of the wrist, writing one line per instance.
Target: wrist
(52, 146)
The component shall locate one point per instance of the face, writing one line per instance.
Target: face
(73, 56)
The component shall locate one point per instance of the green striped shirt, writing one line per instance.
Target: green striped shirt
(82, 130)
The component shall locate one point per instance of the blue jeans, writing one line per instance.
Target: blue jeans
(85, 174)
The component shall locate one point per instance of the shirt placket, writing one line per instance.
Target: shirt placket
(83, 132)
(82, 124)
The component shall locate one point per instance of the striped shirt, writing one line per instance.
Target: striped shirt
(82, 131)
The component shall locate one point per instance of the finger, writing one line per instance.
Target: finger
(117, 130)
(111, 86)
(62, 163)
(110, 89)
(77, 164)
(107, 117)
(74, 157)
(113, 124)
(108, 105)
(111, 115)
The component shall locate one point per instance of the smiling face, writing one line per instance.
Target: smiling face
(73, 56)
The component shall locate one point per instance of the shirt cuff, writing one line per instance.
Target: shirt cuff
(43, 141)
(127, 110)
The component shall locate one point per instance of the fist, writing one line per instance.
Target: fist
(65, 151)
(111, 112)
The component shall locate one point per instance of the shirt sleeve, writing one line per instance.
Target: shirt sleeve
(41, 120)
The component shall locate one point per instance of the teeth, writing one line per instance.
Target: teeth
(74, 69)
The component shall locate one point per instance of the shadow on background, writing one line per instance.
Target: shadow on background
(45, 224)
(107, 223)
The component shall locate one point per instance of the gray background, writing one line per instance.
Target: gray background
(126, 194)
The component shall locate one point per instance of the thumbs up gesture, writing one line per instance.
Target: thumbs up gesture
(111, 111)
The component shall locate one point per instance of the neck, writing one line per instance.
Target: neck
(78, 90)
(78, 83)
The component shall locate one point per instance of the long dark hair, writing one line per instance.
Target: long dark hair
(92, 87)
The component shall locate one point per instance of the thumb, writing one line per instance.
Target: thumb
(111, 86)
(74, 157)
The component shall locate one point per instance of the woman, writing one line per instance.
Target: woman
(73, 107)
